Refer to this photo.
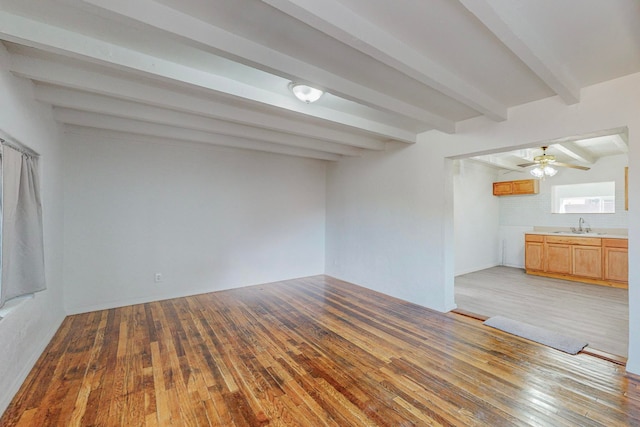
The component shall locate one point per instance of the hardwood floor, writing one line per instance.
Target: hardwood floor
(596, 314)
(310, 352)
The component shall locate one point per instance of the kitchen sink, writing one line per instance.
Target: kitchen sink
(579, 233)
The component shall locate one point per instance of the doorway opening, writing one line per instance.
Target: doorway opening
(489, 267)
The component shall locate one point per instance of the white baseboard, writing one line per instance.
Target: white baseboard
(514, 266)
(473, 270)
(106, 305)
(133, 301)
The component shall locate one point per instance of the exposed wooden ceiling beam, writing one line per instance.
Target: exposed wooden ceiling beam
(60, 41)
(117, 124)
(69, 98)
(237, 48)
(93, 82)
(526, 46)
(339, 22)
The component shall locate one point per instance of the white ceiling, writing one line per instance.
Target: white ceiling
(216, 71)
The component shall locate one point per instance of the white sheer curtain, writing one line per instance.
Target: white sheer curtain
(22, 237)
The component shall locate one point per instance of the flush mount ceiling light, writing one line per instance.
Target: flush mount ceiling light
(305, 93)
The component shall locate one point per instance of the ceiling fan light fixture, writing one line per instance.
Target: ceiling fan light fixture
(543, 171)
(305, 93)
(537, 172)
(544, 168)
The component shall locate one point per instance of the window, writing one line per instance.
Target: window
(22, 235)
(594, 197)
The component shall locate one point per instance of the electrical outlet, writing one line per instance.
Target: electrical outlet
(158, 277)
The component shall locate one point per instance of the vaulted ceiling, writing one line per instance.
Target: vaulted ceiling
(217, 71)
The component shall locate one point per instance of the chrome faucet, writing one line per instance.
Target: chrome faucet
(581, 230)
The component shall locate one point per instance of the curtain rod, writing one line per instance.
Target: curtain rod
(19, 147)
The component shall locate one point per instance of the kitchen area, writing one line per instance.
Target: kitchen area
(552, 249)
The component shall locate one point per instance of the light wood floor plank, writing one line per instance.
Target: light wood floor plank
(310, 352)
(596, 314)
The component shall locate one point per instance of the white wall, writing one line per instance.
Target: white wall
(512, 244)
(476, 217)
(412, 256)
(536, 210)
(207, 218)
(384, 224)
(27, 329)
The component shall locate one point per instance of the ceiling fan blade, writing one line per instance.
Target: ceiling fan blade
(526, 165)
(568, 165)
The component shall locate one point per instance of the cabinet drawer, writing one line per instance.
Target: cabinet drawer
(570, 240)
(533, 238)
(615, 243)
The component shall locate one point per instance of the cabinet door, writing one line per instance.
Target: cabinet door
(616, 264)
(502, 188)
(558, 257)
(526, 186)
(534, 256)
(587, 261)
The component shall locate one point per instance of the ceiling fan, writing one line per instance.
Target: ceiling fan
(544, 164)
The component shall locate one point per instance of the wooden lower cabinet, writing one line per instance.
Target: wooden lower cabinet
(595, 260)
(558, 258)
(587, 261)
(534, 253)
(616, 260)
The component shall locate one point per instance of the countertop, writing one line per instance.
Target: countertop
(599, 233)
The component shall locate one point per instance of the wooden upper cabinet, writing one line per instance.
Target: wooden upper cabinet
(526, 186)
(523, 186)
(502, 188)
